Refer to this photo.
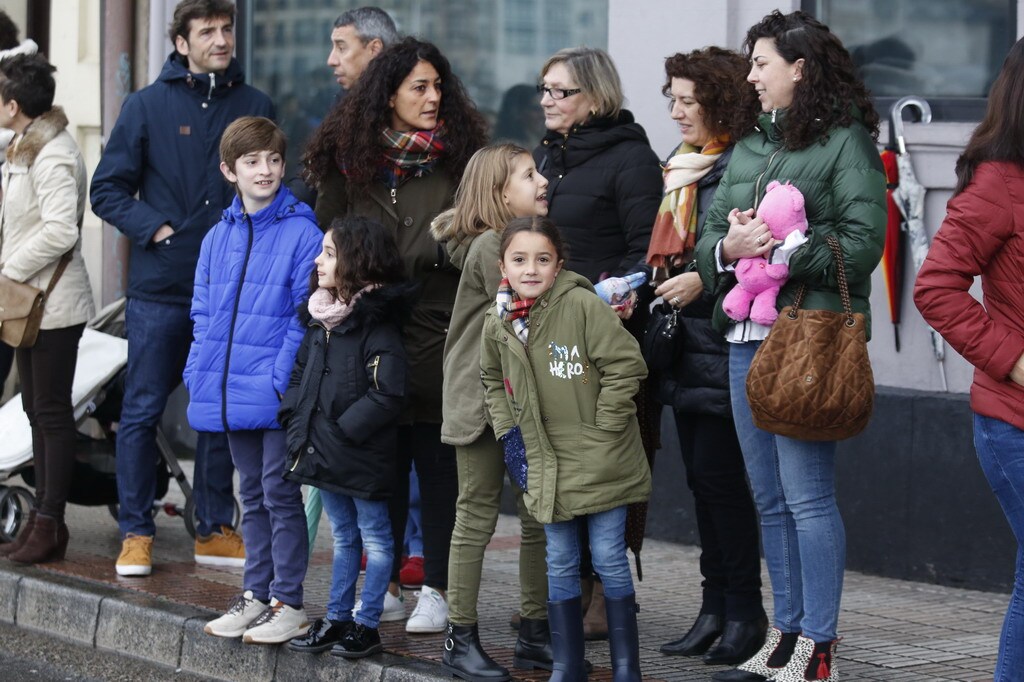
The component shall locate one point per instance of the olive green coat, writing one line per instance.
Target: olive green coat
(571, 393)
(843, 184)
(407, 212)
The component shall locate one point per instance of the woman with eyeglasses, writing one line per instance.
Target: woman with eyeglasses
(604, 189)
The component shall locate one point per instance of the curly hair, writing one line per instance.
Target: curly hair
(350, 134)
(829, 86)
(365, 253)
(1000, 135)
(728, 104)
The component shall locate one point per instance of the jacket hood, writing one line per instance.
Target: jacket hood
(442, 229)
(176, 68)
(285, 205)
(390, 303)
(589, 139)
(38, 134)
(566, 281)
(27, 46)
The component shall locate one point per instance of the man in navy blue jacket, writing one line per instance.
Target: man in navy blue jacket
(164, 149)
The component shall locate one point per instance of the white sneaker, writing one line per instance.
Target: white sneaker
(241, 613)
(277, 624)
(430, 614)
(394, 608)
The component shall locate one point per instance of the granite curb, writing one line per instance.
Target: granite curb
(168, 634)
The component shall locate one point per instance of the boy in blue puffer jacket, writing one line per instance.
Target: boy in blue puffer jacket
(253, 273)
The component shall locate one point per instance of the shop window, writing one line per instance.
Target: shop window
(947, 51)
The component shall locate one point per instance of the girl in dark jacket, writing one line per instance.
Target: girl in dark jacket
(712, 105)
(346, 393)
(981, 235)
(394, 150)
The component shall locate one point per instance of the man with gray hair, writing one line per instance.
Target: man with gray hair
(359, 35)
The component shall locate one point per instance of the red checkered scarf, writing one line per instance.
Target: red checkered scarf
(410, 154)
(514, 309)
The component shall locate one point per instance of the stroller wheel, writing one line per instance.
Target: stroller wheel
(15, 505)
(191, 518)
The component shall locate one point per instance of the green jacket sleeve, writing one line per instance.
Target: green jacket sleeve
(493, 379)
(716, 226)
(617, 359)
(331, 199)
(857, 189)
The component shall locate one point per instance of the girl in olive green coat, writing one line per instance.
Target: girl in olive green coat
(560, 372)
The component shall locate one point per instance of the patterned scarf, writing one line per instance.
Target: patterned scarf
(331, 311)
(517, 310)
(675, 228)
(411, 154)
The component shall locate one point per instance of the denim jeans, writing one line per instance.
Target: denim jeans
(793, 483)
(273, 518)
(159, 336)
(1000, 449)
(414, 526)
(352, 518)
(607, 547)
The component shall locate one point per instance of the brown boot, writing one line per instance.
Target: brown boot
(595, 623)
(48, 542)
(12, 547)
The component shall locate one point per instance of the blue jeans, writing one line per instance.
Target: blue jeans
(273, 518)
(1000, 449)
(352, 518)
(607, 547)
(793, 482)
(159, 336)
(414, 526)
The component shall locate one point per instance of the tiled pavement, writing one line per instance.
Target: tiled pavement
(892, 630)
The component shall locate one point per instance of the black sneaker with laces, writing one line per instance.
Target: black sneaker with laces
(360, 642)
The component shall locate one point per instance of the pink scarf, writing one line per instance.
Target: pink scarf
(331, 311)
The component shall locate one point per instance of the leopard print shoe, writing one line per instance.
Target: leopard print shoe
(811, 662)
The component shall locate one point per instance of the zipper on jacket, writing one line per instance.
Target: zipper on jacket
(394, 195)
(326, 341)
(231, 329)
(375, 364)
(213, 77)
(757, 185)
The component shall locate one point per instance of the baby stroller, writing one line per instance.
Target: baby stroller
(96, 395)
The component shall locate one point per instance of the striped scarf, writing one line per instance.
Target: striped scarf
(517, 310)
(675, 228)
(410, 154)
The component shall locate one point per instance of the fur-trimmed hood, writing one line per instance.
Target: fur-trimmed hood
(38, 134)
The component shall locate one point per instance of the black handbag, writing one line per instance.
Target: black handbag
(662, 337)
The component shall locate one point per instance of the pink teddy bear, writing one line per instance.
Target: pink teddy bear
(757, 281)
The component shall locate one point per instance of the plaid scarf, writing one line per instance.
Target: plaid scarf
(514, 309)
(675, 228)
(410, 154)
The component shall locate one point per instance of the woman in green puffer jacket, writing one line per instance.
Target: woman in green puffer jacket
(816, 131)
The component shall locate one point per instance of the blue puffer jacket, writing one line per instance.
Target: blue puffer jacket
(165, 148)
(252, 275)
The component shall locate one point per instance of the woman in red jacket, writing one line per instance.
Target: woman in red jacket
(983, 234)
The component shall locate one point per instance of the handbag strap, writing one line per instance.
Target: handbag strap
(844, 290)
(61, 267)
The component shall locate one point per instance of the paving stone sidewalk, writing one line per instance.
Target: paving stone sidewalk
(892, 630)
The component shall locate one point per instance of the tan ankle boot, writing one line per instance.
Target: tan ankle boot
(595, 623)
(12, 547)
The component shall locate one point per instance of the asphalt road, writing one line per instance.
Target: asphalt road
(33, 657)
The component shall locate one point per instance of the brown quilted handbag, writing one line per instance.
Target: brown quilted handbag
(811, 378)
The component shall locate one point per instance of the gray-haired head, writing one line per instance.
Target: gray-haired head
(370, 23)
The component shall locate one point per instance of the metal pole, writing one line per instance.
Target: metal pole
(117, 41)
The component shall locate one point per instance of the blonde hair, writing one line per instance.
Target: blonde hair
(595, 74)
(478, 203)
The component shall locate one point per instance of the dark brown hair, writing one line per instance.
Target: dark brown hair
(349, 135)
(728, 103)
(250, 134)
(187, 10)
(366, 253)
(1000, 135)
(829, 86)
(538, 224)
(28, 80)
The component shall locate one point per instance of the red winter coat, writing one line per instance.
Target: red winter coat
(983, 234)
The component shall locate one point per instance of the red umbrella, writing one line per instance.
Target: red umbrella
(892, 256)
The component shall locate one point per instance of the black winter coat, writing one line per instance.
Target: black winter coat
(699, 379)
(346, 393)
(604, 191)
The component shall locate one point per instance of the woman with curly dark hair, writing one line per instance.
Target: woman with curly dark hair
(817, 131)
(394, 150)
(713, 106)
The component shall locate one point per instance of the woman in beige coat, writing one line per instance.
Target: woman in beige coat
(40, 222)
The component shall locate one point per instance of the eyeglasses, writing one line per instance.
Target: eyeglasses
(557, 93)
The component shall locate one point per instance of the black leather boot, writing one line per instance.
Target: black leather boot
(533, 648)
(623, 638)
(740, 640)
(565, 620)
(464, 657)
(705, 630)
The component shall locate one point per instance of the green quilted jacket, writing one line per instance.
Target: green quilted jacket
(843, 183)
